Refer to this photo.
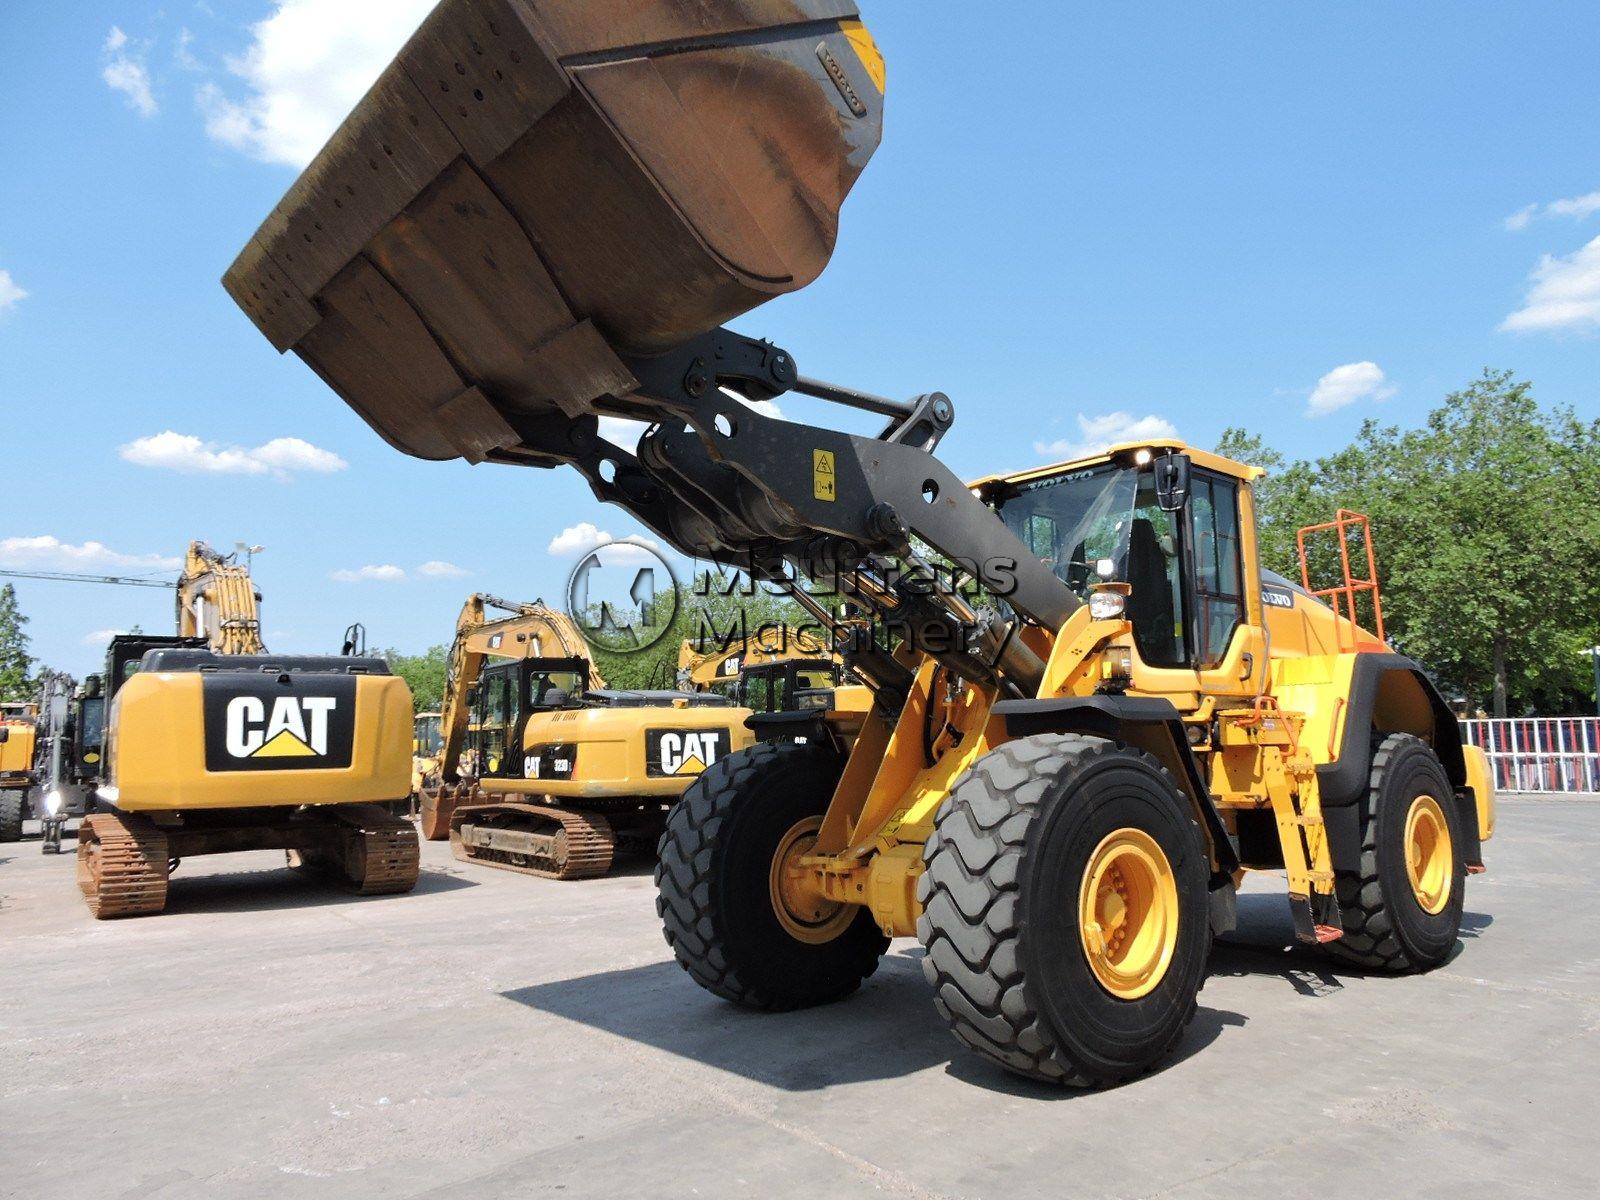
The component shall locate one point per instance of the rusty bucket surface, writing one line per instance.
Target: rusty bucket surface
(535, 187)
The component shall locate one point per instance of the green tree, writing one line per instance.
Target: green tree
(16, 665)
(424, 674)
(1486, 522)
(709, 608)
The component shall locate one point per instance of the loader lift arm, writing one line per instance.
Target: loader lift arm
(528, 631)
(729, 484)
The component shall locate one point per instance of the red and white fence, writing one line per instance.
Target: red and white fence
(1540, 754)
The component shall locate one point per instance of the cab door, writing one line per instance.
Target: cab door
(1195, 608)
(494, 718)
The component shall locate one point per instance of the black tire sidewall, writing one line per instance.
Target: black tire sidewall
(1108, 1036)
(1427, 938)
(766, 956)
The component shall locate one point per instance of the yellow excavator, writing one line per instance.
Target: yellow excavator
(212, 745)
(545, 770)
(1093, 711)
(763, 671)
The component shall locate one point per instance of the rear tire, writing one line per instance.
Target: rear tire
(1019, 849)
(1387, 922)
(11, 813)
(716, 891)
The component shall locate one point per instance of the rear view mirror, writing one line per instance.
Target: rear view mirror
(1172, 481)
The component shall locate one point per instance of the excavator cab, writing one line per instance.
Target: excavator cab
(508, 695)
(774, 687)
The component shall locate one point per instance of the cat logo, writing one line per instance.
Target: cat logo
(684, 752)
(297, 726)
(258, 723)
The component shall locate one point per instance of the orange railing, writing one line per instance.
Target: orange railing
(1342, 596)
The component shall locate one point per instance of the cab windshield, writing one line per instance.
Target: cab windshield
(1105, 523)
(1074, 522)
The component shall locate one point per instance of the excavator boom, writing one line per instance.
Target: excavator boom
(218, 601)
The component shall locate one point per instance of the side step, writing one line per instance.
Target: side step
(551, 843)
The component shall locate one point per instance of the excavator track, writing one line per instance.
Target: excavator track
(382, 856)
(122, 866)
(552, 843)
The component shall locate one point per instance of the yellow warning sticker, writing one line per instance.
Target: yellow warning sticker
(825, 483)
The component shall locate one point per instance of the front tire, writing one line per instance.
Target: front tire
(1402, 908)
(728, 909)
(11, 812)
(1065, 910)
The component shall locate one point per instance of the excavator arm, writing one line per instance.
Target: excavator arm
(218, 601)
(529, 631)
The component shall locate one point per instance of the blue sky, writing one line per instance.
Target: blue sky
(1085, 218)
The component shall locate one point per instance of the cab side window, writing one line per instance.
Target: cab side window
(1219, 587)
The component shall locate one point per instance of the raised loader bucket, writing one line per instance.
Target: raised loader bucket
(535, 187)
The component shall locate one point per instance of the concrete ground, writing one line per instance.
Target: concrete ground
(494, 1035)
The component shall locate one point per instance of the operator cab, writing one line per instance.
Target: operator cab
(507, 694)
(427, 736)
(775, 687)
(1162, 520)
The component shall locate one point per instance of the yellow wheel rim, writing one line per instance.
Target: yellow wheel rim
(1430, 858)
(1128, 913)
(804, 913)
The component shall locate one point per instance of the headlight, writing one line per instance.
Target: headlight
(1106, 605)
(53, 800)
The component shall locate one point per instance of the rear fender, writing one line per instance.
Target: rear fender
(1390, 693)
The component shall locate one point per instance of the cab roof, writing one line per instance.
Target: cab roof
(1125, 450)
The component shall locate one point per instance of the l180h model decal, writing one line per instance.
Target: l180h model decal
(683, 752)
(257, 723)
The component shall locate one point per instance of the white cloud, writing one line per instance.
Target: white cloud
(1343, 386)
(184, 53)
(11, 292)
(438, 569)
(46, 553)
(1564, 294)
(578, 540)
(1575, 207)
(188, 455)
(1098, 433)
(386, 573)
(306, 66)
(99, 637)
(125, 71)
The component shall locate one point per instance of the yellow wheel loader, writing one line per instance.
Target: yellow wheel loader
(544, 769)
(1093, 711)
(19, 739)
(211, 745)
